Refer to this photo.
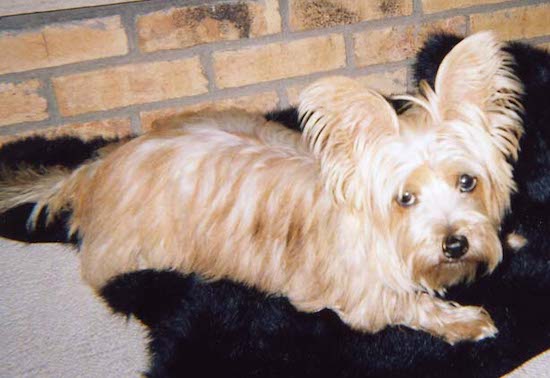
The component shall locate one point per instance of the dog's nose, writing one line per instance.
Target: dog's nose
(455, 246)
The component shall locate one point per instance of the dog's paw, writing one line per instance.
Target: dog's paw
(468, 323)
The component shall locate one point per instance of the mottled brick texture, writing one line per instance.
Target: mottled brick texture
(22, 102)
(58, 44)
(128, 85)
(117, 70)
(177, 28)
(279, 60)
(307, 14)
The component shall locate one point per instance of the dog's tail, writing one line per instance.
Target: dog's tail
(53, 189)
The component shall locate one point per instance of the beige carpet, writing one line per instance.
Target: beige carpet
(52, 325)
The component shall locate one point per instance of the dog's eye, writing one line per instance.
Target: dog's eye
(406, 199)
(466, 183)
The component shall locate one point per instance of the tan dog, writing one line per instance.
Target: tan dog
(367, 212)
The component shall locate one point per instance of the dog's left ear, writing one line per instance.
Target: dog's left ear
(344, 124)
(477, 76)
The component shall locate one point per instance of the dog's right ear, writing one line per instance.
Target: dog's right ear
(478, 73)
(431, 54)
(343, 122)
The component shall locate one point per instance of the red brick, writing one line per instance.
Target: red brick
(432, 6)
(515, 23)
(64, 43)
(312, 14)
(177, 28)
(279, 60)
(127, 85)
(22, 102)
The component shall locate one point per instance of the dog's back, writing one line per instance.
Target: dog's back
(222, 194)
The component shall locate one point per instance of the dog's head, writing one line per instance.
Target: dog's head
(434, 181)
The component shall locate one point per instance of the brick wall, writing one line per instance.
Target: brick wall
(113, 70)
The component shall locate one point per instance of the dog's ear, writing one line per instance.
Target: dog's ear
(342, 123)
(477, 76)
(431, 54)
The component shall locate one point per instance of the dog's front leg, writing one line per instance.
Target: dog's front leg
(449, 320)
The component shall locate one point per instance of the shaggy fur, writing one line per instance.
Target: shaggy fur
(319, 217)
(41, 154)
(225, 329)
(222, 328)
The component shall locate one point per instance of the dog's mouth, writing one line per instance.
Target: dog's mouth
(459, 262)
(481, 266)
(448, 261)
(449, 272)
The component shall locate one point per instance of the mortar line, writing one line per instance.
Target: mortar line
(135, 123)
(417, 7)
(482, 8)
(284, 12)
(49, 95)
(283, 97)
(349, 46)
(128, 19)
(208, 70)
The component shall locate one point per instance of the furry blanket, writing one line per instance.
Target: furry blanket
(225, 329)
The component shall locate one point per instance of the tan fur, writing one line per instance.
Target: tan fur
(314, 216)
(515, 241)
(29, 185)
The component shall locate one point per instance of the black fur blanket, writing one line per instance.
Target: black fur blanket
(225, 329)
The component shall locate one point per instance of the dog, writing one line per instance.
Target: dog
(369, 213)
